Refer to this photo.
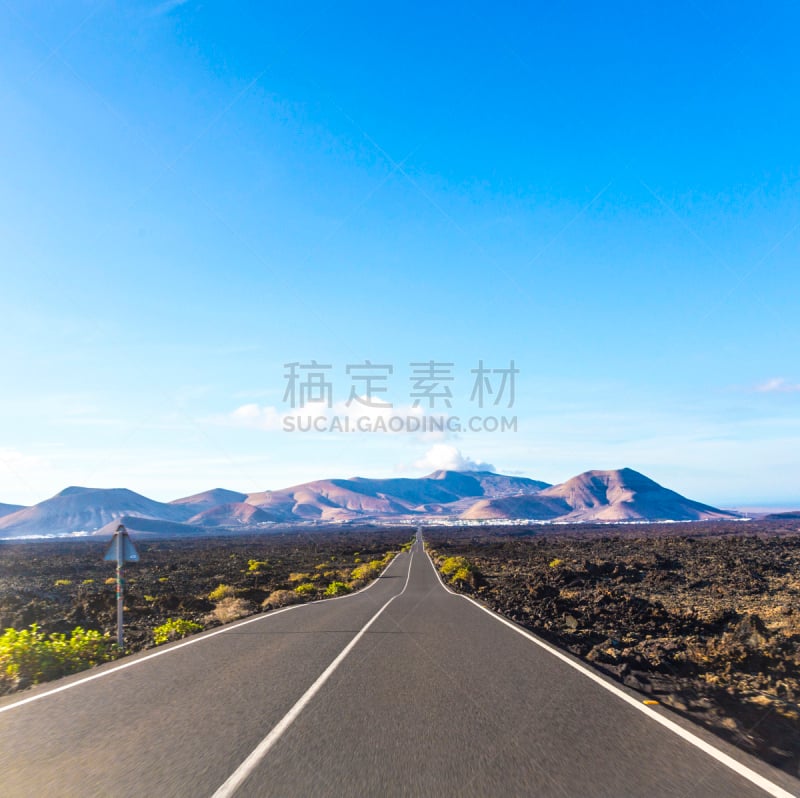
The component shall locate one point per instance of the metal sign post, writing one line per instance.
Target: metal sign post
(122, 550)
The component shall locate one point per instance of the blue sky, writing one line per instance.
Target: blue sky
(195, 194)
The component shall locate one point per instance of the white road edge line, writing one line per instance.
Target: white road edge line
(199, 638)
(756, 778)
(237, 778)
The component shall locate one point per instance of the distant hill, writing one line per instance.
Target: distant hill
(791, 515)
(537, 507)
(619, 495)
(142, 527)
(329, 500)
(488, 483)
(231, 514)
(7, 509)
(78, 509)
(344, 499)
(210, 498)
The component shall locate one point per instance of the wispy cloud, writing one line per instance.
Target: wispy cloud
(778, 385)
(269, 418)
(254, 416)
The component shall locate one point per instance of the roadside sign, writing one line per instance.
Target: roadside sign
(121, 550)
(129, 553)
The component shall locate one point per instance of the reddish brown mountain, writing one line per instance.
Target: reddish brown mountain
(618, 495)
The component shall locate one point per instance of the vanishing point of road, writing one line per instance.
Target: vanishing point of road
(402, 689)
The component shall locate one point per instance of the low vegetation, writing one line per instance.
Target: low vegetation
(29, 656)
(460, 572)
(221, 592)
(174, 629)
(179, 587)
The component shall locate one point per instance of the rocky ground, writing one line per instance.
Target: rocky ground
(702, 618)
(60, 585)
(705, 618)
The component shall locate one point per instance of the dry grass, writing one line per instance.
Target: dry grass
(280, 598)
(230, 609)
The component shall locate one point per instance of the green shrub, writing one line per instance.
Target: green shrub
(369, 570)
(555, 562)
(461, 571)
(63, 582)
(305, 589)
(30, 657)
(220, 592)
(256, 565)
(453, 564)
(336, 589)
(366, 571)
(462, 576)
(174, 629)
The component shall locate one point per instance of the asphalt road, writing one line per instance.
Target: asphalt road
(403, 689)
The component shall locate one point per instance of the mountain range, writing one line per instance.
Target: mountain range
(599, 496)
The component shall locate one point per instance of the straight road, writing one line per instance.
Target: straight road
(403, 689)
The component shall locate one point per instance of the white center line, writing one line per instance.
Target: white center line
(237, 778)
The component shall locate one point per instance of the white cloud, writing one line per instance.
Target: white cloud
(269, 418)
(255, 416)
(777, 385)
(444, 457)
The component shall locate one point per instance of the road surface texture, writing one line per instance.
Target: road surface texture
(403, 689)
